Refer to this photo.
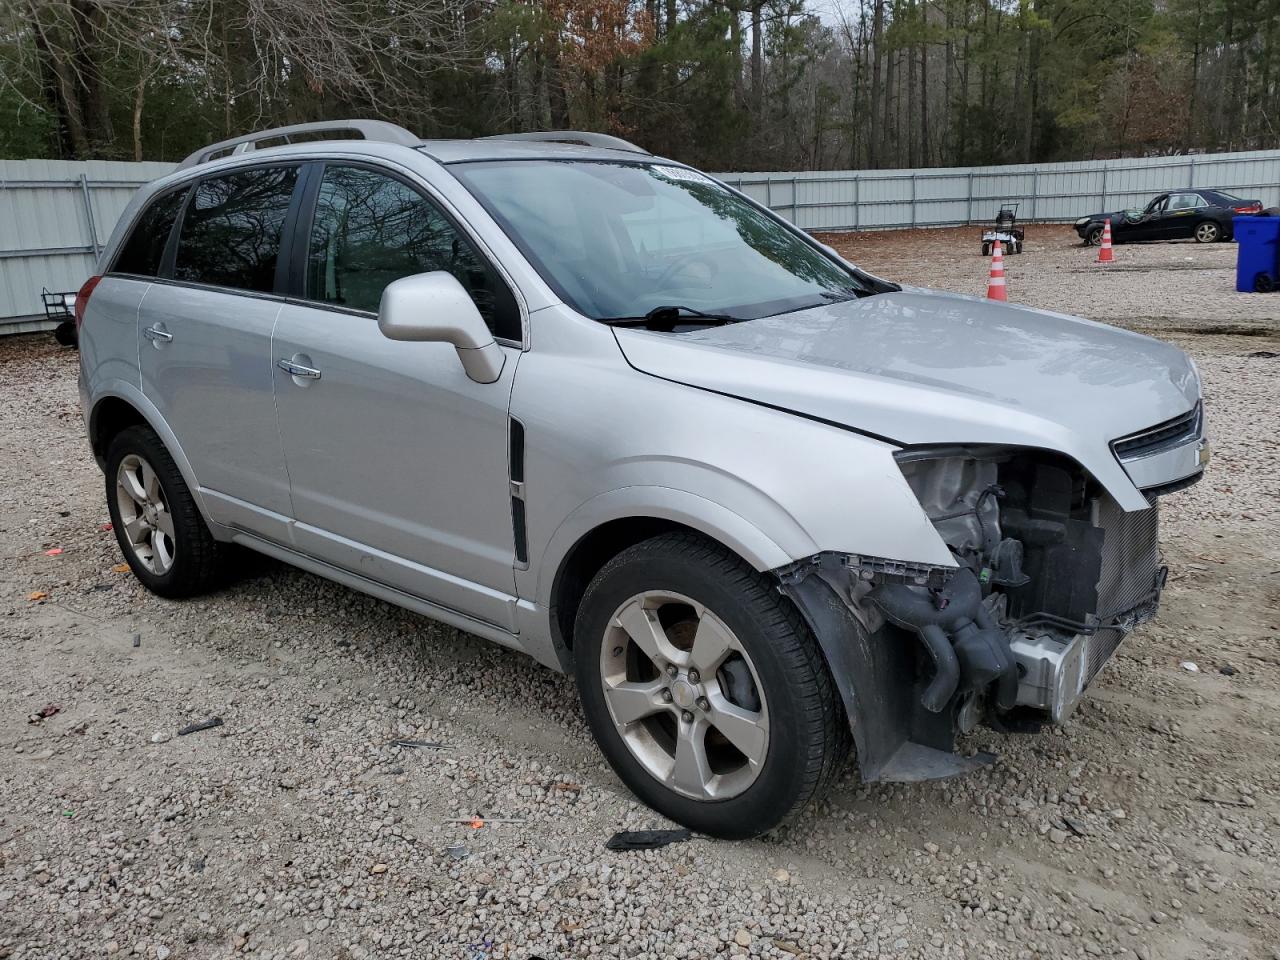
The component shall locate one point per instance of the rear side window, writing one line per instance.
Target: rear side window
(144, 249)
(230, 235)
(370, 229)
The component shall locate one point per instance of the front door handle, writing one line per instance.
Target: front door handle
(157, 334)
(295, 369)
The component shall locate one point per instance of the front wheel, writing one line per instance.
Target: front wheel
(1094, 237)
(1207, 232)
(160, 531)
(705, 689)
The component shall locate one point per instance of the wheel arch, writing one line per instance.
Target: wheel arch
(122, 406)
(604, 527)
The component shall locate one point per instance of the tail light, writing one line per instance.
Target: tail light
(82, 299)
(1255, 207)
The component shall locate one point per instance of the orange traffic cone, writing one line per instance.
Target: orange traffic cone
(995, 285)
(1104, 252)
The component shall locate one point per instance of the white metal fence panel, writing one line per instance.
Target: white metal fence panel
(877, 199)
(55, 215)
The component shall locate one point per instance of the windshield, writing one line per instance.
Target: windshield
(618, 240)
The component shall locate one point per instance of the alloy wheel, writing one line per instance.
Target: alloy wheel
(1207, 232)
(144, 514)
(684, 696)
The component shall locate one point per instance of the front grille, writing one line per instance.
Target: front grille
(1130, 576)
(1162, 436)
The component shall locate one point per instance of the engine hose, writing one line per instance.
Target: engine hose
(946, 675)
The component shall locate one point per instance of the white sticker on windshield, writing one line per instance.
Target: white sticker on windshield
(680, 173)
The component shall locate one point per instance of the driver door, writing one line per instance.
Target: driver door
(397, 460)
(1152, 223)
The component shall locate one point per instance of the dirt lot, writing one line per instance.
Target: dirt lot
(1148, 826)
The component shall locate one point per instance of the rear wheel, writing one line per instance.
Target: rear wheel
(705, 689)
(1207, 232)
(160, 531)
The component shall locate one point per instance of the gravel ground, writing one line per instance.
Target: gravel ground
(1148, 826)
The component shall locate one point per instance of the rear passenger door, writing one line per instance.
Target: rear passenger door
(397, 459)
(1184, 213)
(109, 345)
(205, 343)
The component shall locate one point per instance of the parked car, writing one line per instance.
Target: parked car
(597, 406)
(1199, 214)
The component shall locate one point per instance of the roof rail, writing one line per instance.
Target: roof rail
(602, 140)
(378, 130)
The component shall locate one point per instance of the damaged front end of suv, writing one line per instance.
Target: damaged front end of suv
(1050, 575)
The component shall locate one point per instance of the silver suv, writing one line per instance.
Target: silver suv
(599, 407)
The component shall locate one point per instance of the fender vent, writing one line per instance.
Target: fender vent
(516, 471)
(517, 451)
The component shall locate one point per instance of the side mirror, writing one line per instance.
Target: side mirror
(436, 307)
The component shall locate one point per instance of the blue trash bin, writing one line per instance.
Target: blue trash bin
(1257, 253)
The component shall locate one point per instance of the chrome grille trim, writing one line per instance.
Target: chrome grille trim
(1163, 436)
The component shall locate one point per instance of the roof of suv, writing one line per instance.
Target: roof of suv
(460, 151)
(303, 138)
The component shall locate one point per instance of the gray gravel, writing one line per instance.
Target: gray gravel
(1149, 826)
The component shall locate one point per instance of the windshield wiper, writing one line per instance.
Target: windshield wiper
(665, 318)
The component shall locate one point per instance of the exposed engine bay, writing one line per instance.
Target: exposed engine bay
(1050, 575)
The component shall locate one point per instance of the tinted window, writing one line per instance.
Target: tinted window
(143, 251)
(1185, 201)
(230, 233)
(370, 229)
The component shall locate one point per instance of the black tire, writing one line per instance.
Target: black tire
(1264, 283)
(986, 249)
(1094, 236)
(65, 334)
(198, 559)
(1206, 231)
(808, 733)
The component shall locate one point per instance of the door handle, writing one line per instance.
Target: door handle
(298, 370)
(157, 334)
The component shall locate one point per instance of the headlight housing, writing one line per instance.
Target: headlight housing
(1082, 221)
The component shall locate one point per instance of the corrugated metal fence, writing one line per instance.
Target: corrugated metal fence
(878, 199)
(55, 215)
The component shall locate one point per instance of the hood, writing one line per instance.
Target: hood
(1113, 215)
(921, 367)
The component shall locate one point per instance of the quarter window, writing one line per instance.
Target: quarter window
(230, 234)
(370, 229)
(143, 251)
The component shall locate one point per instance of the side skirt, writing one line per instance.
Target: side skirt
(383, 592)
